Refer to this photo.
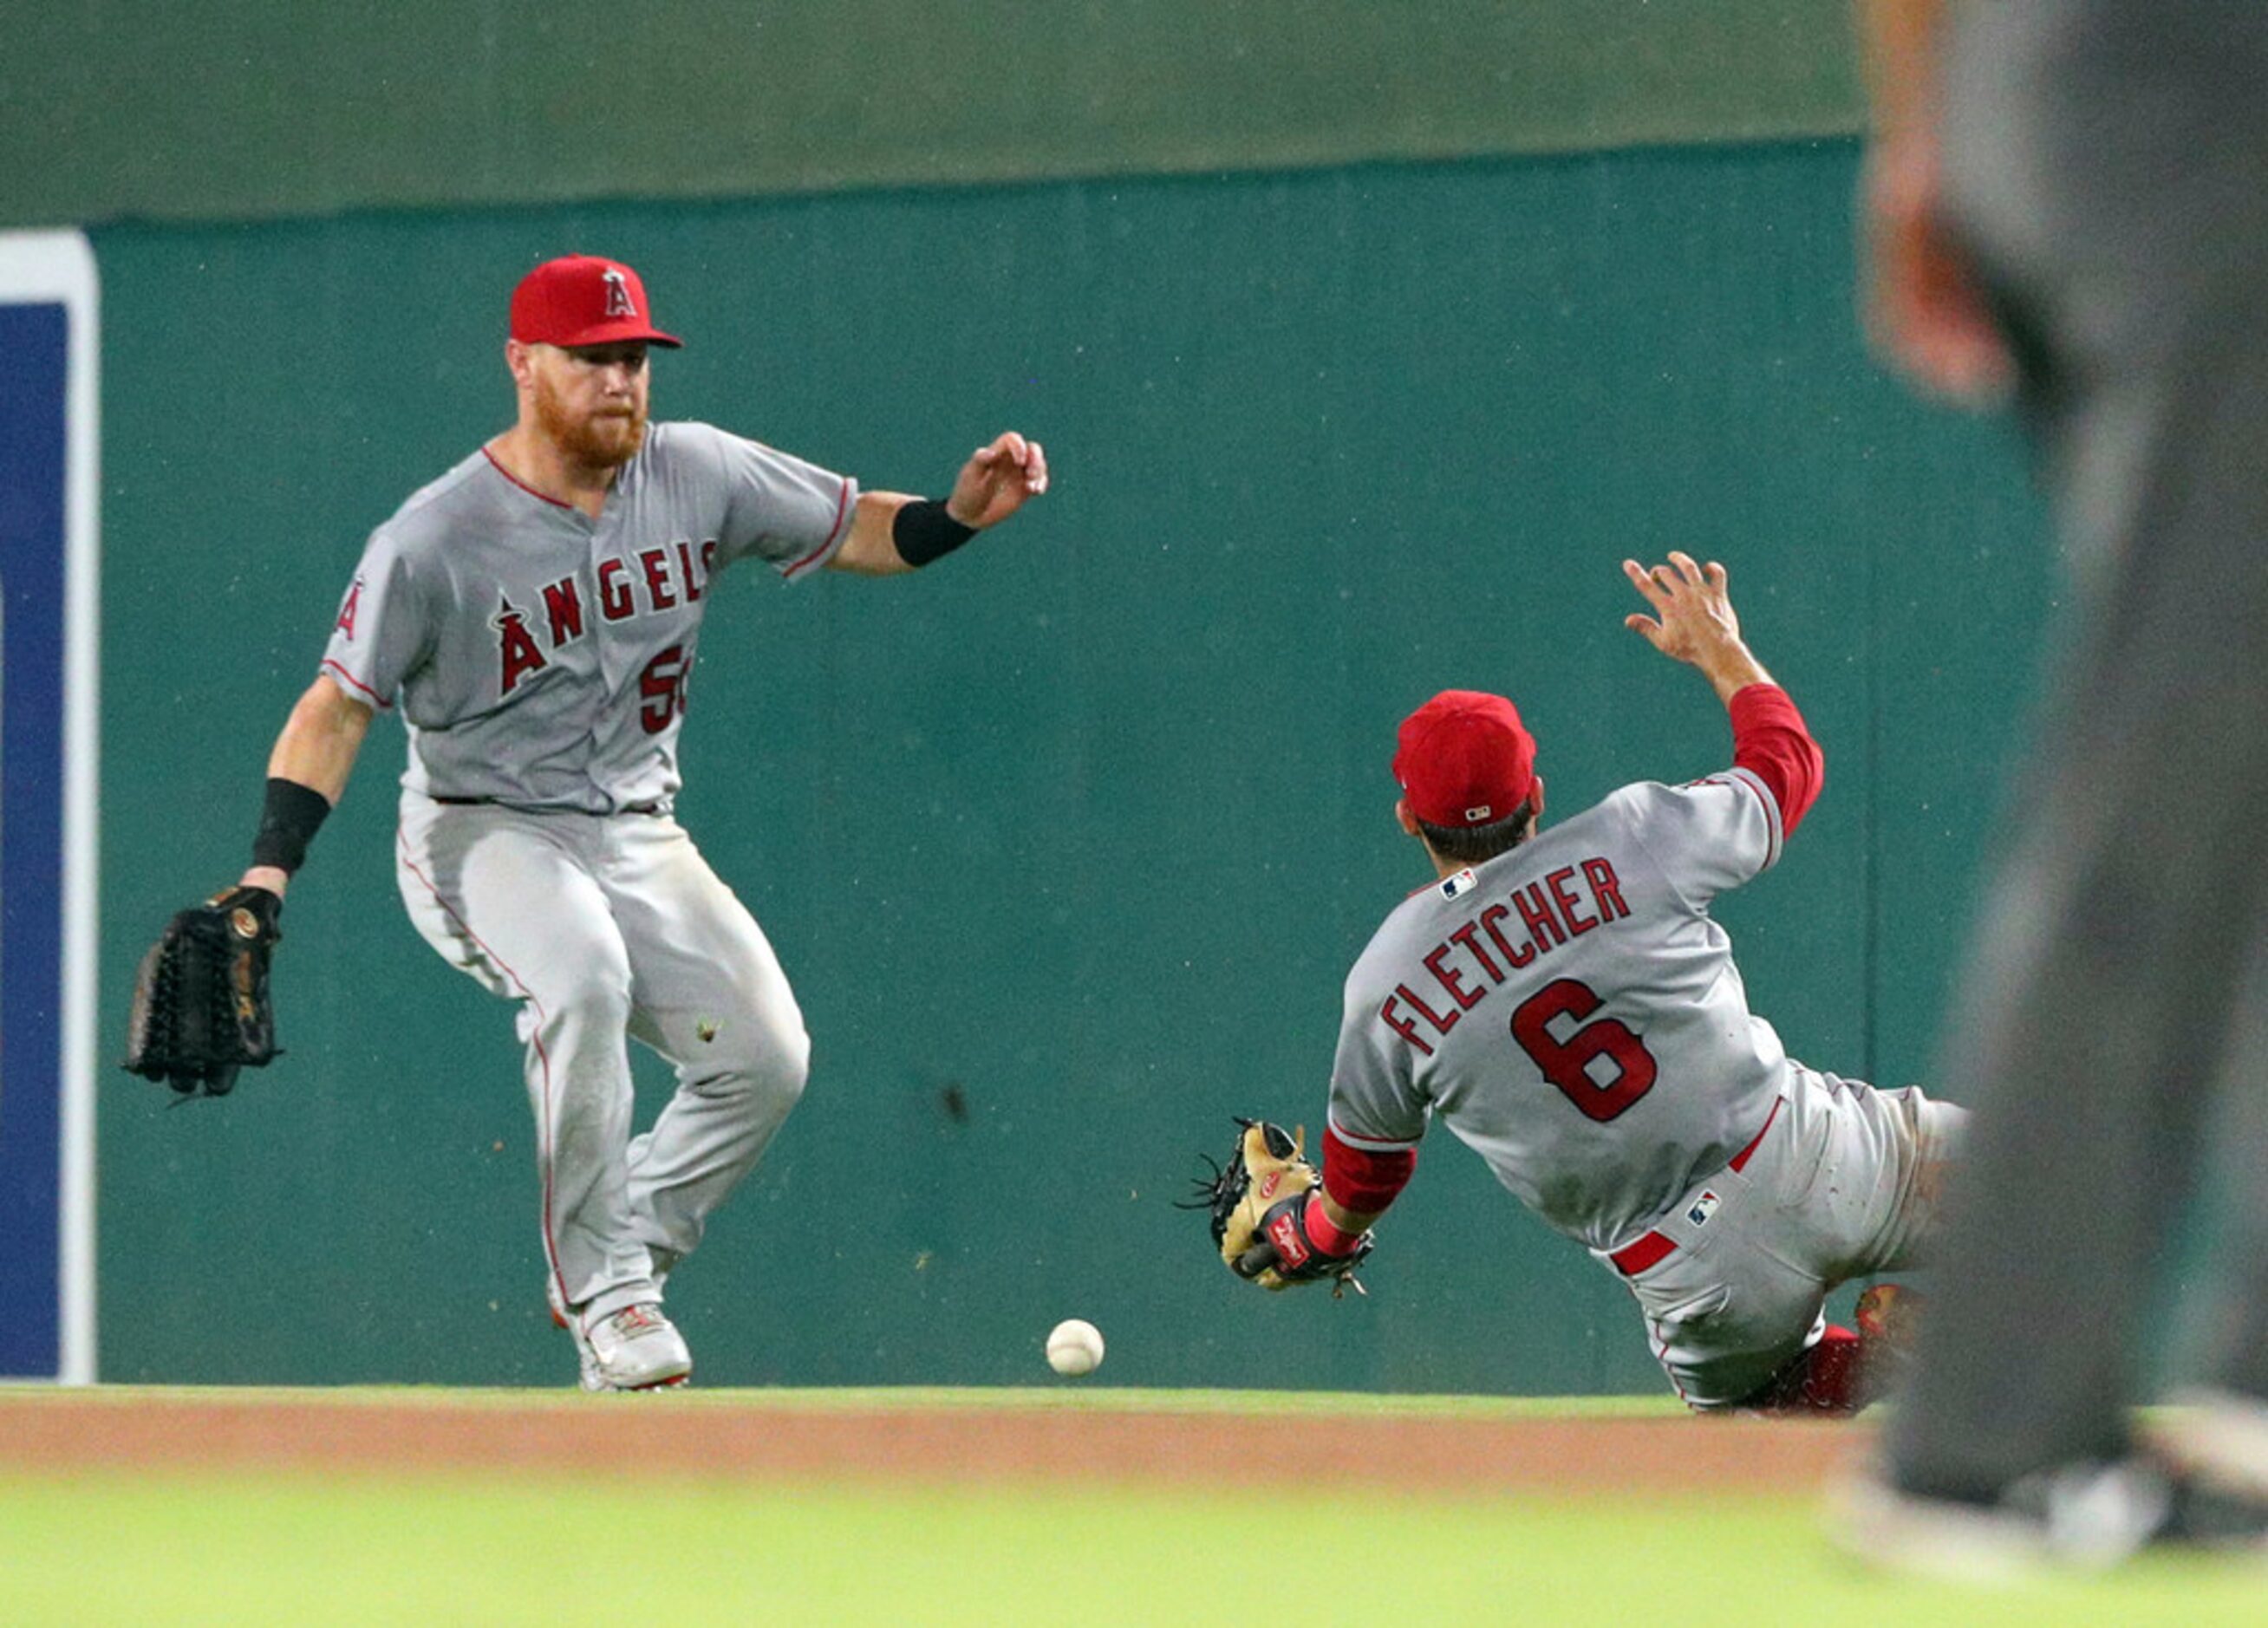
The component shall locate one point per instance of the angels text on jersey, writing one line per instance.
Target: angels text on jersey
(661, 581)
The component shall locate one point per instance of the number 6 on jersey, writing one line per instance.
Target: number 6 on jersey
(1566, 1063)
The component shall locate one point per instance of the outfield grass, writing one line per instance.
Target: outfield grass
(172, 1545)
(112, 1549)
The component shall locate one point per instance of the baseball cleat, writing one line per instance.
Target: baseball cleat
(635, 1349)
(594, 1373)
(2080, 1516)
(563, 1318)
(1888, 1316)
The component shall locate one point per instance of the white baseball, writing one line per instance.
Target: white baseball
(1075, 1347)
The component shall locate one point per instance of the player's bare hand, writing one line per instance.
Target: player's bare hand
(997, 481)
(1922, 308)
(1692, 612)
(1693, 620)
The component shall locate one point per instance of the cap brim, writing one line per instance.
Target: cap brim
(615, 334)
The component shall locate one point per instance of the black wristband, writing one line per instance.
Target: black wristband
(925, 530)
(288, 822)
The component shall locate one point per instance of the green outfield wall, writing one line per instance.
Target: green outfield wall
(1080, 829)
(255, 109)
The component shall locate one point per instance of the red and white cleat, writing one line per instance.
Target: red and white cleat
(635, 1349)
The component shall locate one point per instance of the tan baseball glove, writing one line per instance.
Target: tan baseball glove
(1257, 1204)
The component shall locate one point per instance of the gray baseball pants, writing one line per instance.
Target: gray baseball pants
(605, 929)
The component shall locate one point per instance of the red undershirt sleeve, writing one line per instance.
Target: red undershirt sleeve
(1361, 1181)
(1770, 741)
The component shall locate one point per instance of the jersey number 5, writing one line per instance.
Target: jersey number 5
(662, 685)
(1567, 1062)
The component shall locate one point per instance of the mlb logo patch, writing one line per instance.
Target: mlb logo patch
(1703, 1208)
(1464, 881)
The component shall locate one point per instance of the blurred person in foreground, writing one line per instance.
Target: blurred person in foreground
(2064, 203)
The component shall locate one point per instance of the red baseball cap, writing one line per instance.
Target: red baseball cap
(1465, 759)
(583, 300)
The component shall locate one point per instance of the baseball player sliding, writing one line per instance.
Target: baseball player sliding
(1562, 999)
(534, 615)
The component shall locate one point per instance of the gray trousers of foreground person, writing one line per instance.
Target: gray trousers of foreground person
(2105, 164)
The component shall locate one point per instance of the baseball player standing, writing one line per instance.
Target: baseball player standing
(534, 615)
(1562, 999)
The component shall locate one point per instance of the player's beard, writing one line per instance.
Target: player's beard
(606, 439)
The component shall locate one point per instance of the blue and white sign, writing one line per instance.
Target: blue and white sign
(48, 565)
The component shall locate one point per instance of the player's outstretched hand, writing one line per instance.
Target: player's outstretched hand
(1693, 620)
(1696, 616)
(997, 480)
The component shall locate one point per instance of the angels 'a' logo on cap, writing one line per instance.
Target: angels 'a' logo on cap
(619, 302)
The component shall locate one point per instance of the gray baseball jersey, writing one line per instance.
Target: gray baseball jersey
(541, 656)
(1572, 1013)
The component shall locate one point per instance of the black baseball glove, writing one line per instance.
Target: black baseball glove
(201, 1009)
(1257, 1203)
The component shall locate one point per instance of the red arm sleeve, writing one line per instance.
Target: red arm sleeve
(1361, 1181)
(1770, 741)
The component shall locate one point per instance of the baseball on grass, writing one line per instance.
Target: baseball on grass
(1075, 1347)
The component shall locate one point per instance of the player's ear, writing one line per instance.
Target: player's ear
(1535, 801)
(1408, 820)
(518, 358)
